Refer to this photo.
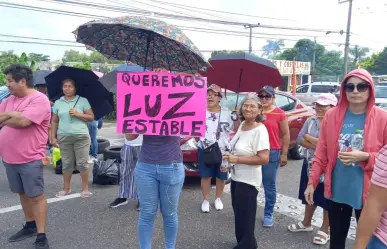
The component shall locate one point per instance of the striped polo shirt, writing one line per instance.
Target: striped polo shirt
(379, 178)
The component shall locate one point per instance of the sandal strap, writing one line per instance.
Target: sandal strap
(321, 233)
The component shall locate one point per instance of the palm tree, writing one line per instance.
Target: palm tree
(358, 53)
(272, 48)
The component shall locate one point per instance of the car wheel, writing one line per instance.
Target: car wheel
(103, 144)
(113, 152)
(296, 152)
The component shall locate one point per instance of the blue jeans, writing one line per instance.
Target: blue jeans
(375, 243)
(93, 138)
(269, 178)
(158, 183)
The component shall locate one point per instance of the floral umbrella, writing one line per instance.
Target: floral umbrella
(147, 42)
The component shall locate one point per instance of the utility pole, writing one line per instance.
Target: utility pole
(251, 26)
(348, 35)
(314, 61)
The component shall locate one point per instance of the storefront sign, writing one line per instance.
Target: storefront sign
(286, 67)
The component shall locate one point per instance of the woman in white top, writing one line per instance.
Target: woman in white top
(250, 150)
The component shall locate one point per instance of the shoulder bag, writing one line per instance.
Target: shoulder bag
(212, 155)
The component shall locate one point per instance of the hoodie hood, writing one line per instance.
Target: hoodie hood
(364, 75)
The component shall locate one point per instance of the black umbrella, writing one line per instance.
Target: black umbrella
(39, 77)
(88, 86)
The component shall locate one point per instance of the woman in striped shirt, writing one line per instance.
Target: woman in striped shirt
(372, 229)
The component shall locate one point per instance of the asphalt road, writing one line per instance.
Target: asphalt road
(75, 223)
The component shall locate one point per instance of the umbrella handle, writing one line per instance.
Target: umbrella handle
(76, 102)
(234, 116)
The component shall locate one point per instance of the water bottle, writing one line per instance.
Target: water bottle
(225, 163)
(357, 144)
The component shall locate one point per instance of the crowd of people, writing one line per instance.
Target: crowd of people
(344, 167)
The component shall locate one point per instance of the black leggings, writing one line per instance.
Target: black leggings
(339, 222)
(244, 204)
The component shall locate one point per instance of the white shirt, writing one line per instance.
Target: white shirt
(135, 142)
(226, 125)
(248, 143)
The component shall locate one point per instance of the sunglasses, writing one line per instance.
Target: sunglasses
(264, 96)
(361, 87)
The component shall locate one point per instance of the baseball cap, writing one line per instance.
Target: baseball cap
(215, 88)
(268, 89)
(326, 99)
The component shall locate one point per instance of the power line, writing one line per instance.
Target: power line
(184, 18)
(219, 11)
(81, 46)
(193, 29)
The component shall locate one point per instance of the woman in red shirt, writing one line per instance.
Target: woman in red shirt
(278, 128)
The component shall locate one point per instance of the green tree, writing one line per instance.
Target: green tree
(8, 57)
(380, 66)
(94, 57)
(74, 56)
(85, 65)
(272, 48)
(330, 64)
(305, 49)
(287, 54)
(368, 63)
(38, 57)
(357, 53)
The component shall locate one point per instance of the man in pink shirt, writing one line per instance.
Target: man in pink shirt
(24, 121)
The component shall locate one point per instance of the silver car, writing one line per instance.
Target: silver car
(309, 93)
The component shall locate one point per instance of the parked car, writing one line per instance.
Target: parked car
(296, 111)
(4, 93)
(308, 93)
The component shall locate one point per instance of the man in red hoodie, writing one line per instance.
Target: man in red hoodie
(351, 135)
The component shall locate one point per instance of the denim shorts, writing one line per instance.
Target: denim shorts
(375, 243)
(214, 171)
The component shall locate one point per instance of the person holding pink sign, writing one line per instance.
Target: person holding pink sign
(159, 177)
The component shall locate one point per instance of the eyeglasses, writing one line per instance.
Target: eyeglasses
(361, 87)
(264, 96)
(252, 107)
(213, 95)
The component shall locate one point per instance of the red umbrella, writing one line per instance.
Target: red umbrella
(242, 72)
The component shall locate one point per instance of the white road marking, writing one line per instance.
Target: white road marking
(293, 208)
(51, 200)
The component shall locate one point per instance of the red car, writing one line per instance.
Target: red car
(296, 111)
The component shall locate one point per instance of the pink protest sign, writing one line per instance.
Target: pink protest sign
(163, 104)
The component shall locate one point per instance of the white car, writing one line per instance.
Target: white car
(309, 92)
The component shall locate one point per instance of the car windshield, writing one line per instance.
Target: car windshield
(381, 92)
(228, 101)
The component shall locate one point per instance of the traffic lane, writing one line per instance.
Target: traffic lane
(84, 224)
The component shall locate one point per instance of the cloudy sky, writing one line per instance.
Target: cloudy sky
(324, 15)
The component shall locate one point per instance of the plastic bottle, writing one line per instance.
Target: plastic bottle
(357, 141)
(225, 163)
(357, 144)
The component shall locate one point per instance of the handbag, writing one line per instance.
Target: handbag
(212, 155)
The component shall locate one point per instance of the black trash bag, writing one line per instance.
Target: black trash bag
(106, 172)
(59, 168)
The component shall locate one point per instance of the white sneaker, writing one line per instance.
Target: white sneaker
(218, 204)
(92, 160)
(205, 206)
